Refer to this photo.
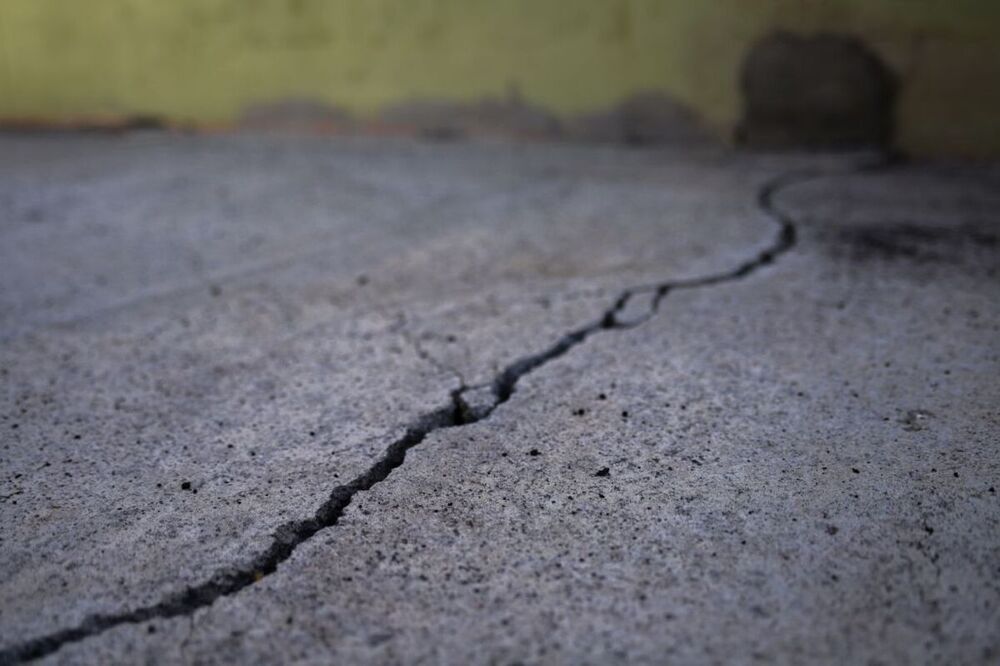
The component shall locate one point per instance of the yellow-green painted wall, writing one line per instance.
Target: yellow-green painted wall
(206, 60)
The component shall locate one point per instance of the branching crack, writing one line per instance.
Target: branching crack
(459, 412)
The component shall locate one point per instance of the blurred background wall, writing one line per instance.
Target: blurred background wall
(219, 62)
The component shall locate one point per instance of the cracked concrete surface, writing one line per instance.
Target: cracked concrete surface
(214, 349)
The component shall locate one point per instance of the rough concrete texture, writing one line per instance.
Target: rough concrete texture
(353, 401)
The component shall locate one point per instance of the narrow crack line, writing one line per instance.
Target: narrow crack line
(422, 352)
(229, 581)
(457, 413)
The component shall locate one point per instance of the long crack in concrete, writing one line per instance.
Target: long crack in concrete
(459, 412)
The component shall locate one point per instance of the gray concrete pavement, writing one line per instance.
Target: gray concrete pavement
(272, 399)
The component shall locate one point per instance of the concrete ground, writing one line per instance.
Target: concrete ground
(298, 400)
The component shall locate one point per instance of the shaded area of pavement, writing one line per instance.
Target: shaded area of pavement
(206, 340)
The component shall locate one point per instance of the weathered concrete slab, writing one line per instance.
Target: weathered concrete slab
(205, 338)
(791, 460)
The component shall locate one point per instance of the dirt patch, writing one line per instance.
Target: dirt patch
(296, 115)
(914, 244)
(439, 119)
(648, 118)
(819, 92)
